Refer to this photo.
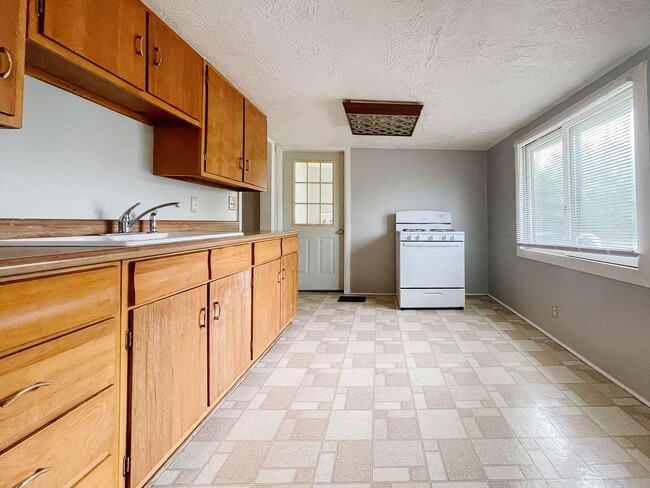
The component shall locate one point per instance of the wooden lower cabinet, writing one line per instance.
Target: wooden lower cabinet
(66, 450)
(230, 331)
(267, 294)
(289, 288)
(168, 391)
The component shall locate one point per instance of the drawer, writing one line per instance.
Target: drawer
(228, 260)
(35, 309)
(104, 475)
(432, 298)
(76, 366)
(289, 245)
(156, 278)
(265, 251)
(66, 450)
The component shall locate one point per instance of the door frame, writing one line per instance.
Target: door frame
(347, 213)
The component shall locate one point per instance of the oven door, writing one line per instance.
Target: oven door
(432, 265)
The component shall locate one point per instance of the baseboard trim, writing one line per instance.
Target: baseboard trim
(576, 354)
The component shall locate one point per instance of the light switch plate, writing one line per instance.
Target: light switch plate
(232, 203)
(194, 204)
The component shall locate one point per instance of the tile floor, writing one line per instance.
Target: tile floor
(365, 395)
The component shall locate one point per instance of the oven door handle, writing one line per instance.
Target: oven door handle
(431, 244)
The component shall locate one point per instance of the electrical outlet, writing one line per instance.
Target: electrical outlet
(194, 204)
(555, 311)
(232, 203)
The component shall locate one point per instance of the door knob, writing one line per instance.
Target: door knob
(340, 232)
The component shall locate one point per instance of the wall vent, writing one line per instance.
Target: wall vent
(376, 118)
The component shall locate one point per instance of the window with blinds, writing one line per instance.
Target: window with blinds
(576, 186)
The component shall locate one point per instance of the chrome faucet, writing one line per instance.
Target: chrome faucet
(125, 221)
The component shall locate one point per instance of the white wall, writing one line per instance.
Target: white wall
(386, 180)
(76, 159)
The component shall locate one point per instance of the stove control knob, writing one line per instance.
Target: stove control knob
(417, 238)
(430, 238)
(452, 238)
(444, 238)
(408, 238)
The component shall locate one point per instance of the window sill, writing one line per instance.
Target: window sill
(636, 276)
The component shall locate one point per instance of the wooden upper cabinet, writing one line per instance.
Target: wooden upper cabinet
(12, 61)
(255, 153)
(112, 35)
(175, 69)
(224, 135)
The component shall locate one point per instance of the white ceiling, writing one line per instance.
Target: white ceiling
(482, 68)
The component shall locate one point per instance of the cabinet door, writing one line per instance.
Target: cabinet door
(254, 145)
(110, 34)
(175, 69)
(12, 61)
(289, 287)
(224, 135)
(230, 331)
(168, 376)
(266, 305)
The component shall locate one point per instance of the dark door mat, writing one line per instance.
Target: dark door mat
(344, 298)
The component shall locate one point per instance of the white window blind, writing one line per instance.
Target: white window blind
(576, 189)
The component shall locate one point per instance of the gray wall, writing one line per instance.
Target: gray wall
(606, 321)
(76, 159)
(386, 180)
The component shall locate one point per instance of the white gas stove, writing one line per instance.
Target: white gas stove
(430, 260)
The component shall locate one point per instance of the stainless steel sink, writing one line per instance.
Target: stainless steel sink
(118, 240)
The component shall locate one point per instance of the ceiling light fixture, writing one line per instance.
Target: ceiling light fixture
(376, 118)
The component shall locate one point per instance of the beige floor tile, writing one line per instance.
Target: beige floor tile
(426, 377)
(243, 464)
(398, 453)
(403, 428)
(353, 462)
(529, 422)
(349, 425)
(307, 429)
(357, 377)
(614, 421)
(440, 424)
(494, 376)
(256, 425)
(560, 374)
(292, 454)
(500, 451)
(461, 460)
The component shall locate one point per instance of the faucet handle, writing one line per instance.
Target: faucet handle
(153, 223)
(127, 212)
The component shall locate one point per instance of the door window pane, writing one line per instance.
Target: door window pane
(313, 193)
(300, 214)
(301, 193)
(300, 172)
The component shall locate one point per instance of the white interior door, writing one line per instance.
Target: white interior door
(313, 205)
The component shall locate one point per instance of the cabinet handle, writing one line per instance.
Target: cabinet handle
(158, 57)
(31, 478)
(279, 276)
(9, 400)
(10, 60)
(284, 274)
(202, 317)
(248, 165)
(139, 48)
(216, 311)
(241, 163)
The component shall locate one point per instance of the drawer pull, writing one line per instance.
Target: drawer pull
(158, 57)
(139, 48)
(216, 311)
(9, 400)
(202, 317)
(10, 62)
(27, 481)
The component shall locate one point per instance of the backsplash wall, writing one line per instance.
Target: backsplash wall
(74, 159)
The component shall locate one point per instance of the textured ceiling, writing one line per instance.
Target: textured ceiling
(483, 68)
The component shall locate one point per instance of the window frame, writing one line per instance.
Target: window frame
(293, 192)
(630, 270)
